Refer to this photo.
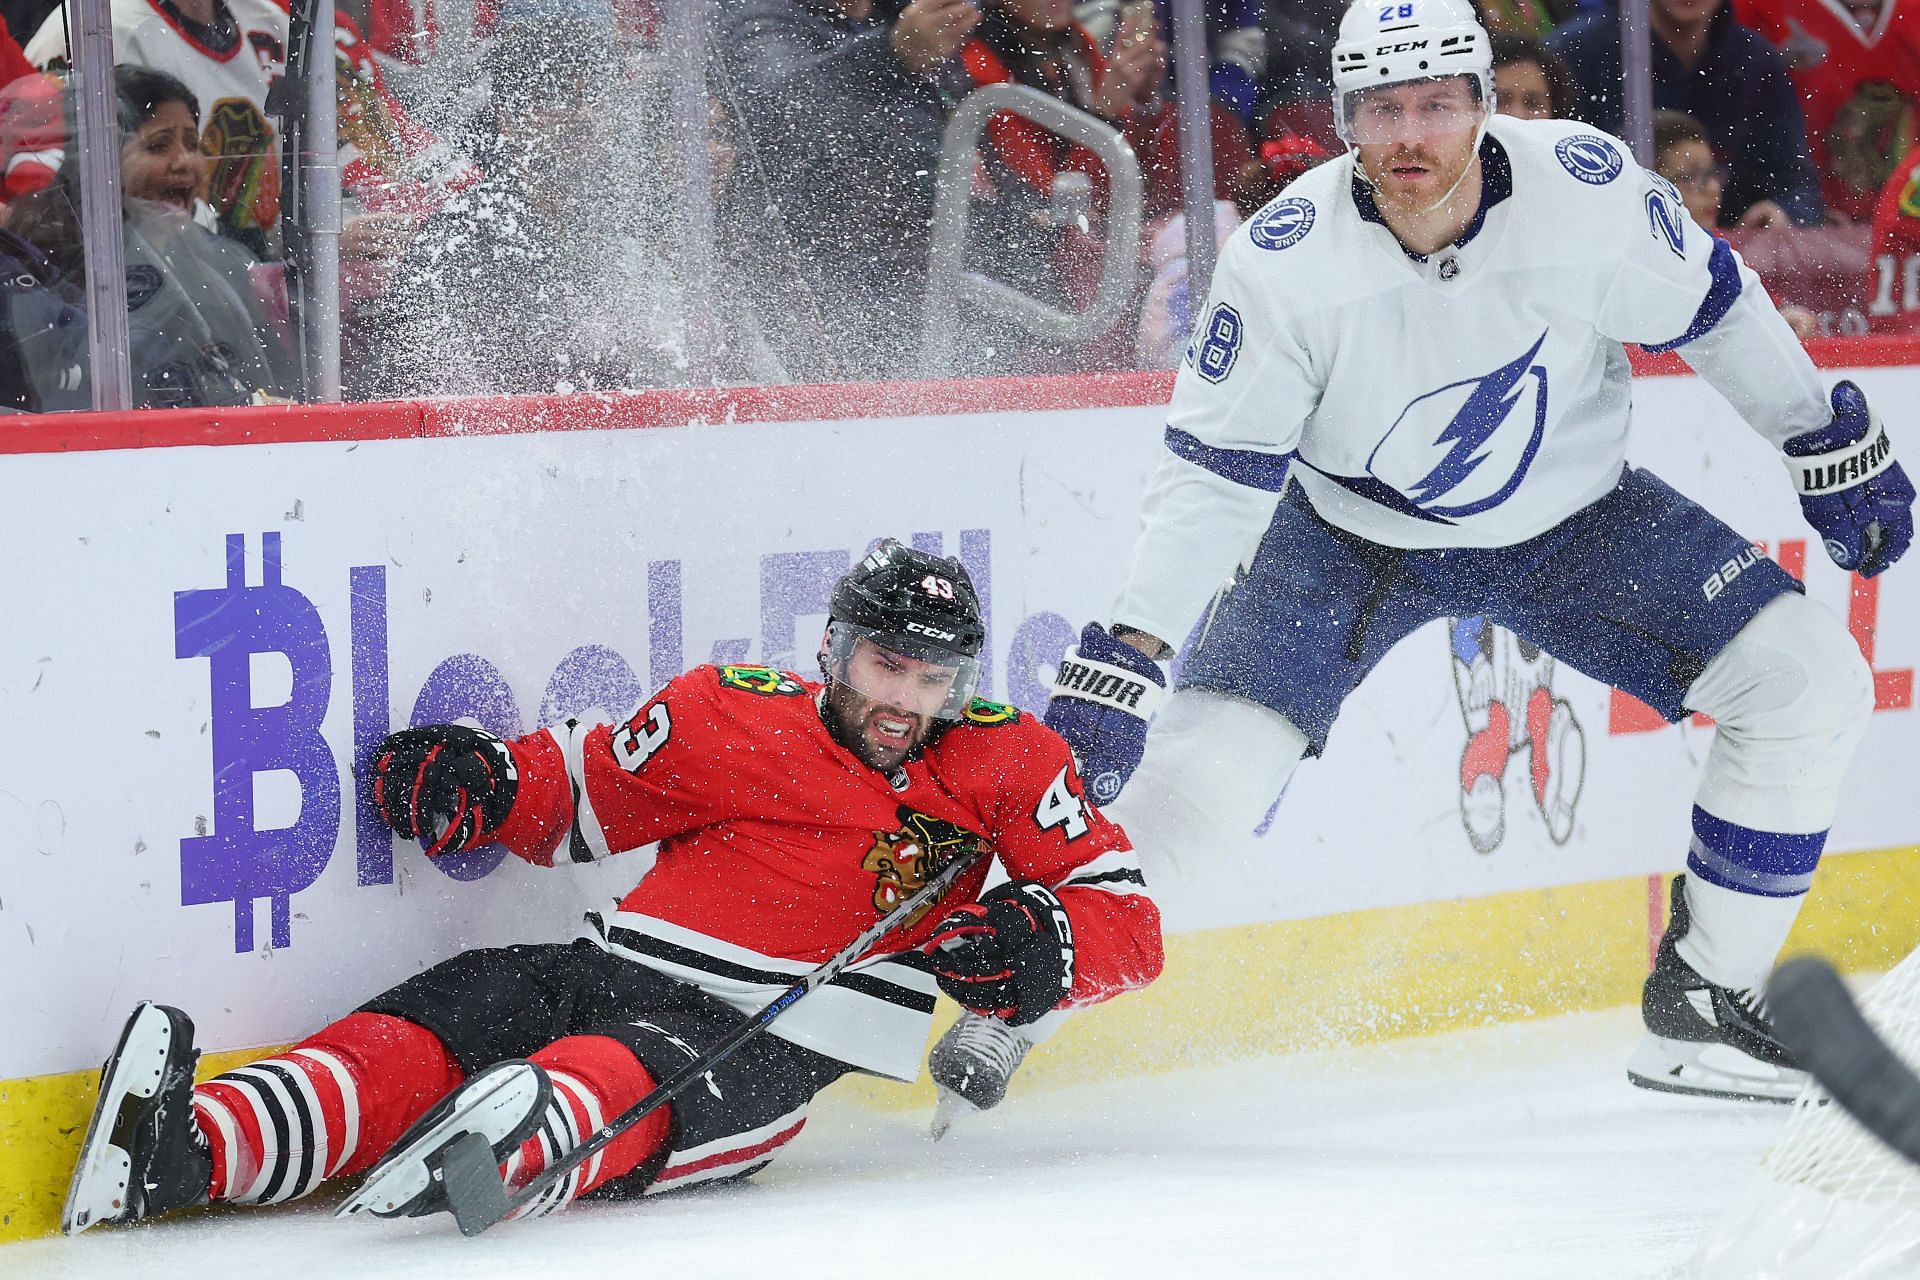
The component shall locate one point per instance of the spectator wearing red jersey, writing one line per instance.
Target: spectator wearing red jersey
(1893, 274)
(1856, 67)
(1037, 43)
(198, 332)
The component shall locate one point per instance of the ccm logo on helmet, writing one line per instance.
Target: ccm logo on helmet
(932, 633)
(1407, 47)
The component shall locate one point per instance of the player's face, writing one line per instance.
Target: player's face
(1416, 139)
(1520, 89)
(884, 703)
(162, 162)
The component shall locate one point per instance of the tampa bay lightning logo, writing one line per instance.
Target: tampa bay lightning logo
(1591, 159)
(1449, 451)
(1282, 223)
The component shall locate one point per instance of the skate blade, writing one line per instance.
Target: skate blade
(492, 1104)
(1710, 1070)
(949, 1108)
(98, 1192)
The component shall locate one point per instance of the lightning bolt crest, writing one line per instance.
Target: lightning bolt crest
(1485, 408)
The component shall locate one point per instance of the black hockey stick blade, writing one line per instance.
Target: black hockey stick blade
(481, 1206)
(1819, 1021)
(471, 1177)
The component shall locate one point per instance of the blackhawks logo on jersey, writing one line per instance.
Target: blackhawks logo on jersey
(1869, 136)
(980, 711)
(762, 680)
(905, 859)
(1910, 196)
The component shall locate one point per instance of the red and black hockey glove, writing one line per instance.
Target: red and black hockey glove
(444, 783)
(1011, 953)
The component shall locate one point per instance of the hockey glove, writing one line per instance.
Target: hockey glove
(1103, 699)
(446, 784)
(1009, 954)
(1853, 493)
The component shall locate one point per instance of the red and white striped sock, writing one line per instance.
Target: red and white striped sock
(281, 1126)
(595, 1078)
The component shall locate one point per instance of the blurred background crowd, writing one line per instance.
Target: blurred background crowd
(514, 177)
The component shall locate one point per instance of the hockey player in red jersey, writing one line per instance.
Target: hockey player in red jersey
(790, 816)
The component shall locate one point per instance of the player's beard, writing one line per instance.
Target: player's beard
(850, 718)
(1403, 201)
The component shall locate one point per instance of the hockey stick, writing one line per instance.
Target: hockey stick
(1819, 1021)
(477, 1198)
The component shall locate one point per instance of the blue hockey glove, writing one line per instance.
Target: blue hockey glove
(1103, 700)
(1853, 493)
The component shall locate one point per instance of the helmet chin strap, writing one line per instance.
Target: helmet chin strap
(1479, 135)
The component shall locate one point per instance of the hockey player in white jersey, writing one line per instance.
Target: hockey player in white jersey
(1407, 398)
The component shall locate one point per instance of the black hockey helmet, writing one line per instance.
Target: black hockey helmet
(914, 604)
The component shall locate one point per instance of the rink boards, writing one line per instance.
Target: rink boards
(212, 616)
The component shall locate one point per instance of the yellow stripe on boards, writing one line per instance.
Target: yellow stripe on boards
(42, 1122)
(1251, 991)
(1365, 976)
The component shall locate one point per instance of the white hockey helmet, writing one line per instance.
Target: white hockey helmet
(1383, 43)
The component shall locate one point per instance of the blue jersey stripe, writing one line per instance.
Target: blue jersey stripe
(1770, 864)
(1722, 293)
(1256, 470)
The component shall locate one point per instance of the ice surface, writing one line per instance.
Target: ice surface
(1514, 1152)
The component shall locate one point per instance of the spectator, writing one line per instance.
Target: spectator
(33, 141)
(837, 121)
(197, 334)
(1893, 274)
(1532, 19)
(1857, 69)
(43, 333)
(1724, 75)
(524, 282)
(13, 62)
(1166, 315)
(1681, 156)
(1530, 80)
(1038, 44)
(227, 52)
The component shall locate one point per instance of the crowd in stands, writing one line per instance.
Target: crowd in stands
(512, 222)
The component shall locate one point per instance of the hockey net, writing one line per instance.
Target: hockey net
(1831, 1201)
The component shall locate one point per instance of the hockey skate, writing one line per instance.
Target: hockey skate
(971, 1066)
(464, 1136)
(1704, 1039)
(143, 1154)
